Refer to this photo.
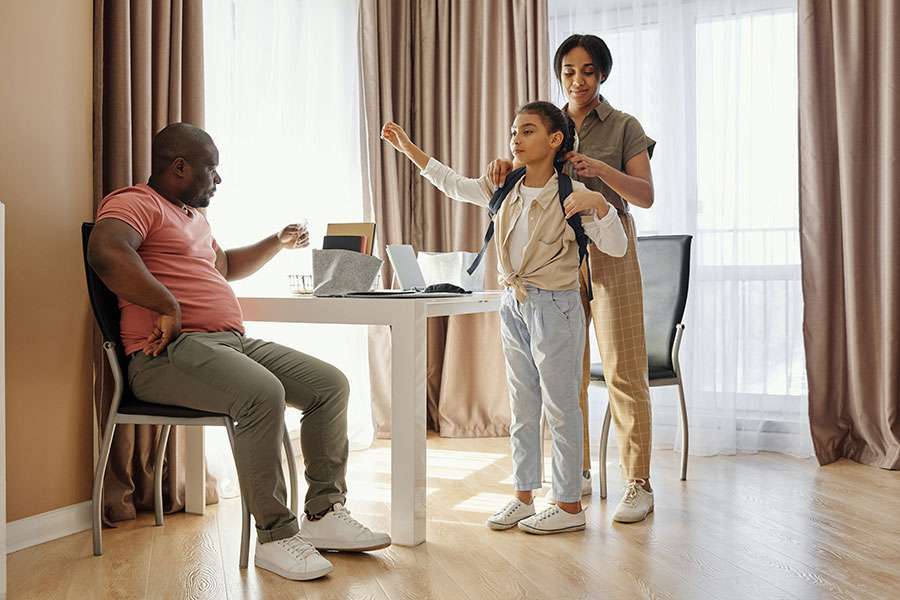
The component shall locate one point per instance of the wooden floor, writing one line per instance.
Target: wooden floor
(762, 526)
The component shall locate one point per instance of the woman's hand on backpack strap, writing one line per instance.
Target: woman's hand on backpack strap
(498, 169)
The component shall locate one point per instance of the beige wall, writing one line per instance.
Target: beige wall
(45, 182)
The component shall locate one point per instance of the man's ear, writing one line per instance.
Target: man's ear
(179, 166)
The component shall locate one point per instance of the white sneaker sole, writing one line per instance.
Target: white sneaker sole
(325, 546)
(504, 526)
(527, 528)
(264, 564)
(636, 520)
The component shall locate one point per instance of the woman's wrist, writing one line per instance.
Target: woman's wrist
(602, 167)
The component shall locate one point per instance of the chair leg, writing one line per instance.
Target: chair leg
(684, 432)
(292, 472)
(245, 511)
(604, 440)
(97, 495)
(158, 473)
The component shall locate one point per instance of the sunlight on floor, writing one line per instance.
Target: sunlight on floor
(441, 464)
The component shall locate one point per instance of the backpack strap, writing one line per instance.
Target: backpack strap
(565, 189)
(493, 208)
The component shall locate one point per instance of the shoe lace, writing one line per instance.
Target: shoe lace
(344, 515)
(631, 491)
(509, 509)
(547, 513)
(297, 547)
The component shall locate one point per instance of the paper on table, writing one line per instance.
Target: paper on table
(450, 267)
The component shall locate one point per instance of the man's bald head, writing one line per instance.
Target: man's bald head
(180, 140)
(184, 161)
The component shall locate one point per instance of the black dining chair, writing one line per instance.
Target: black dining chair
(665, 273)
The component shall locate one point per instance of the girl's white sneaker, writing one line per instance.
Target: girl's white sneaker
(507, 517)
(553, 519)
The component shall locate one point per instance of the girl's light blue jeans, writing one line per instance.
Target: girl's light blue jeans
(543, 341)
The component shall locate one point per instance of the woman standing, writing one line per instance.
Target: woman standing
(612, 157)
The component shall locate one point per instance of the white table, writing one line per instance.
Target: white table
(406, 318)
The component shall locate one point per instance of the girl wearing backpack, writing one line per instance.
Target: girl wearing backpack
(542, 320)
(613, 158)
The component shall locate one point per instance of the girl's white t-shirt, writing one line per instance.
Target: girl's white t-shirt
(518, 237)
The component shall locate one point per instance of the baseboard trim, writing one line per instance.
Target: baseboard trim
(48, 526)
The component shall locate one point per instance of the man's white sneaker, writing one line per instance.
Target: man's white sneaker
(635, 505)
(553, 519)
(338, 531)
(585, 488)
(292, 558)
(507, 517)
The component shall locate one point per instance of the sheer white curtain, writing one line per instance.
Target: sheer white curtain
(715, 83)
(282, 103)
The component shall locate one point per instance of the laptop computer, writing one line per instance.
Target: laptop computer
(412, 282)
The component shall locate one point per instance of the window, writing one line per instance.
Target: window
(715, 83)
(281, 83)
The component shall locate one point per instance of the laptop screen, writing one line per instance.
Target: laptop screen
(403, 260)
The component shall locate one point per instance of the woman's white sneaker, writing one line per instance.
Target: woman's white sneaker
(553, 519)
(507, 517)
(292, 558)
(338, 531)
(635, 505)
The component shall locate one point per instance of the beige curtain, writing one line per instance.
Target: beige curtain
(850, 226)
(148, 72)
(452, 73)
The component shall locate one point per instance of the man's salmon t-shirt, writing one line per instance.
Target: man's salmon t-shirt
(179, 250)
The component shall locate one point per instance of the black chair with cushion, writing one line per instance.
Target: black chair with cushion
(125, 408)
(665, 273)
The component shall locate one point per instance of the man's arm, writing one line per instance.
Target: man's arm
(112, 253)
(238, 263)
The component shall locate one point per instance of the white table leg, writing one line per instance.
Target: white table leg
(195, 475)
(408, 364)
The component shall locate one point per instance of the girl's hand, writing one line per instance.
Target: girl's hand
(583, 202)
(396, 137)
(584, 165)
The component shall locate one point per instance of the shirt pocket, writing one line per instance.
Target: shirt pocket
(554, 233)
(560, 238)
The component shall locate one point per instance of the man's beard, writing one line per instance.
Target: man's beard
(197, 201)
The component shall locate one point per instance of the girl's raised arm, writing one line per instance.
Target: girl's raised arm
(451, 183)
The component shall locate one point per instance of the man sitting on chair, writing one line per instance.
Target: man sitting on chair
(183, 330)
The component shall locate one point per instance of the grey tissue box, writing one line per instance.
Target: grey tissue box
(338, 272)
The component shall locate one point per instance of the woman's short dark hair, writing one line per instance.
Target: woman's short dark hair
(597, 48)
(555, 120)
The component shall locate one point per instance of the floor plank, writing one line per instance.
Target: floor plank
(742, 527)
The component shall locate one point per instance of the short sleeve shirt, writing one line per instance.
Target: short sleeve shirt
(179, 250)
(615, 138)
